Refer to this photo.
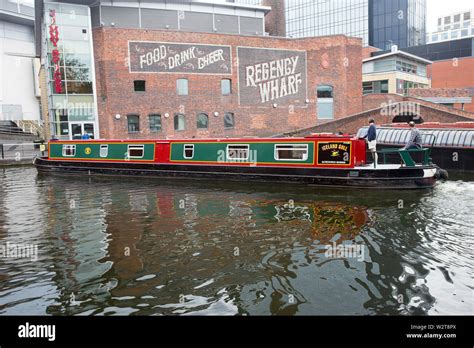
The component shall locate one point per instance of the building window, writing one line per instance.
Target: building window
(139, 85)
(229, 120)
(457, 18)
(467, 15)
(104, 151)
(188, 151)
(375, 87)
(69, 150)
(202, 121)
(133, 123)
(238, 152)
(439, 21)
(447, 20)
(136, 151)
(454, 34)
(155, 122)
(182, 86)
(464, 32)
(325, 107)
(290, 152)
(226, 86)
(434, 37)
(179, 122)
(444, 36)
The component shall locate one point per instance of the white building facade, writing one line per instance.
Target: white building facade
(19, 90)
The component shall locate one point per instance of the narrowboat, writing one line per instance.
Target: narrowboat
(319, 160)
(452, 144)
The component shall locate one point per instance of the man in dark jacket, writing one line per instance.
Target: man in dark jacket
(371, 140)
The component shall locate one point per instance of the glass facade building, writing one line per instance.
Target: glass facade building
(380, 23)
(69, 65)
(397, 22)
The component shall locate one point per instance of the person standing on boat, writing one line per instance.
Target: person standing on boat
(415, 138)
(371, 140)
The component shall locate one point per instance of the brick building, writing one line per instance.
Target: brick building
(158, 69)
(321, 82)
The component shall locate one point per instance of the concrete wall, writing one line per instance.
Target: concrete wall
(17, 80)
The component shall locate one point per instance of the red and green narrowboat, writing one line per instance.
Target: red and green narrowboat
(320, 159)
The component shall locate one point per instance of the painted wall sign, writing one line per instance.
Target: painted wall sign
(272, 76)
(334, 153)
(167, 57)
(55, 54)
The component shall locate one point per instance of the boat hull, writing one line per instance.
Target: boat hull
(366, 177)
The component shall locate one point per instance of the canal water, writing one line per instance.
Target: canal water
(108, 246)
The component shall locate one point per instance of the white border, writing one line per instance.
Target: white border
(184, 151)
(237, 159)
(305, 158)
(134, 145)
(273, 49)
(177, 72)
(68, 146)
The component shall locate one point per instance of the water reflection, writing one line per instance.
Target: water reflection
(152, 247)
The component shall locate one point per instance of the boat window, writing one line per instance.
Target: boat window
(136, 151)
(104, 150)
(380, 133)
(427, 138)
(188, 151)
(398, 135)
(391, 139)
(385, 134)
(444, 137)
(462, 140)
(406, 136)
(437, 136)
(69, 150)
(450, 139)
(469, 139)
(238, 152)
(457, 136)
(289, 152)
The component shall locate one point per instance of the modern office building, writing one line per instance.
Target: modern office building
(453, 26)
(18, 67)
(380, 23)
(451, 69)
(394, 72)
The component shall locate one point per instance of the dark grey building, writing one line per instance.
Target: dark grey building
(454, 49)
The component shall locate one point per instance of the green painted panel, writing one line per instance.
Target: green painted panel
(92, 151)
(216, 152)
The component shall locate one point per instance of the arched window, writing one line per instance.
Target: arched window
(202, 121)
(229, 120)
(133, 122)
(179, 122)
(325, 107)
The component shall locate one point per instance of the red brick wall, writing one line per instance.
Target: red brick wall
(367, 51)
(453, 74)
(334, 60)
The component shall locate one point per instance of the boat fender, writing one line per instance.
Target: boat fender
(442, 174)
